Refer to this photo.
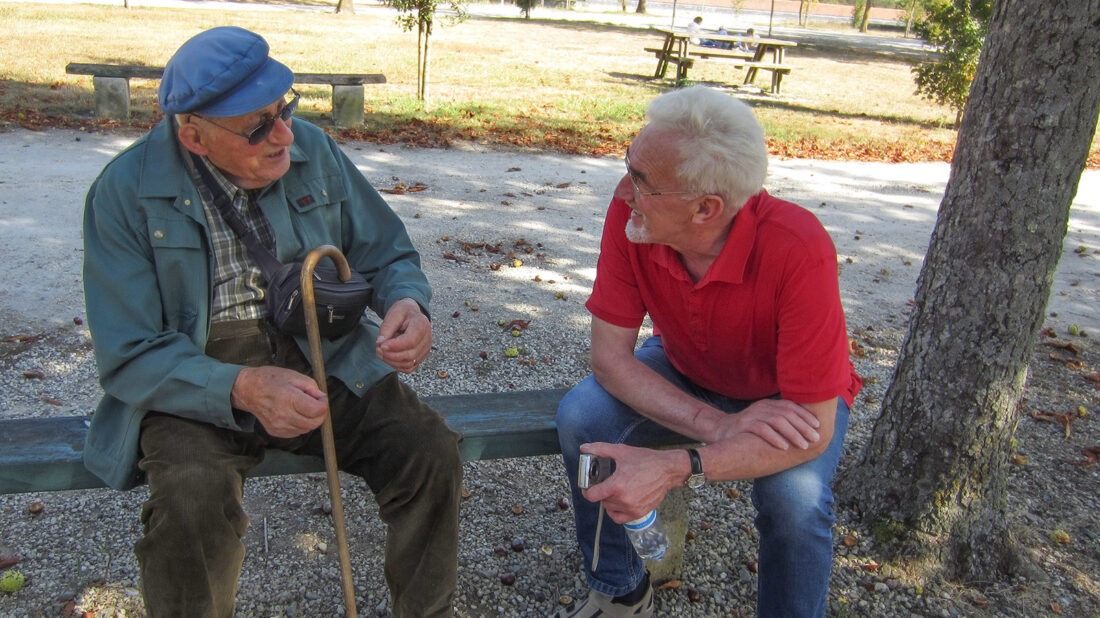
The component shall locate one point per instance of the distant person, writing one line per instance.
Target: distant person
(695, 28)
(197, 379)
(749, 357)
(745, 45)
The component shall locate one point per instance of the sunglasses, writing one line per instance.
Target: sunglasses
(262, 130)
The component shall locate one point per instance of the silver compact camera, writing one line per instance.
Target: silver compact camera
(593, 470)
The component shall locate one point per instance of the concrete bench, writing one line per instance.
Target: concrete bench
(111, 83)
(45, 454)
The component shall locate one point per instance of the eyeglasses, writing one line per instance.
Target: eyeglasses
(262, 130)
(638, 193)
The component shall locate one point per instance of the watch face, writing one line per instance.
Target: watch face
(695, 481)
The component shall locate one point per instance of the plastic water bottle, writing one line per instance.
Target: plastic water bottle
(647, 533)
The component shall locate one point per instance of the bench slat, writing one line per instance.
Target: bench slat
(114, 70)
(339, 79)
(130, 71)
(44, 454)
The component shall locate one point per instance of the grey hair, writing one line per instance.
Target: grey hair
(721, 144)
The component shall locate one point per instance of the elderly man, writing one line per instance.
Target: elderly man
(198, 382)
(749, 356)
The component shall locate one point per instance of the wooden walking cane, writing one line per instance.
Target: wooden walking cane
(317, 360)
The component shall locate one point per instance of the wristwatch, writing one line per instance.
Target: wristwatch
(697, 478)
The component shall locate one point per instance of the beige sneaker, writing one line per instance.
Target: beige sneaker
(601, 605)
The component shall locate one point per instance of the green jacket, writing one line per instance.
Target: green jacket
(147, 283)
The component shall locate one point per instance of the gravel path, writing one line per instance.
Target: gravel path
(470, 209)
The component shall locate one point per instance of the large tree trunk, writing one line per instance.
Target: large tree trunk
(641, 7)
(346, 6)
(934, 472)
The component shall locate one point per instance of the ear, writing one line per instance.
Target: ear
(191, 137)
(708, 209)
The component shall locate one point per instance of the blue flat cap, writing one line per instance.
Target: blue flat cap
(223, 72)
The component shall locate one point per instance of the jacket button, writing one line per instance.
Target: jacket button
(158, 234)
(360, 385)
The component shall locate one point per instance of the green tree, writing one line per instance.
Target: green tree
(957, 29)
(933, 477)
(861, 15)
(420, 14)
(526, 6)
(804, 7)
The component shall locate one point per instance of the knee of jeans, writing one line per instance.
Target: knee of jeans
(575, 417)
(792, 503)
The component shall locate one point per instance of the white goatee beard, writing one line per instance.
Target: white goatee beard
(637, 234)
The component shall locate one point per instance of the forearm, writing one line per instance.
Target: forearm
(649, 394)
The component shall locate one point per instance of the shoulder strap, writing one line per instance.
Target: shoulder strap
(214, 193)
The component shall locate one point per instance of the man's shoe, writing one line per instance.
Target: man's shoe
(603, 605)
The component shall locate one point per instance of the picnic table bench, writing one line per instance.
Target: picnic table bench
(677, 49)
(111, 83)
(46, 454)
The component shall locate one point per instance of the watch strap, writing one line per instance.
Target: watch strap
(696, 461)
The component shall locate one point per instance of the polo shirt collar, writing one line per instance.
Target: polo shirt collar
(732, 262)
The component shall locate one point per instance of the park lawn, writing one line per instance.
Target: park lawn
(566, 85)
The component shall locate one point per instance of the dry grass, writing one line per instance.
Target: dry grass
(559, 83)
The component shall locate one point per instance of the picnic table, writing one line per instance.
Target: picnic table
(769, 54)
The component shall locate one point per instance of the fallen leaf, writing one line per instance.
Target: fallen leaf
(1065, 420)
(1092, 455)
(517, 324)
(34, 374)
(1063, 345)
(672, 584)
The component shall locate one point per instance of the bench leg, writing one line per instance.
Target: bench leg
(347, 105)
(112, 97)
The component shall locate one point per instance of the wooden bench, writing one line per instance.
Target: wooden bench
(682, 64)
(111, 83)
(708, 52)
(45, 454)
(777, 70)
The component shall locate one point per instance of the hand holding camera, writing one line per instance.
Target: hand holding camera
(593, 470)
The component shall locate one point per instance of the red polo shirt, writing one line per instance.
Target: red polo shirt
(765, 319)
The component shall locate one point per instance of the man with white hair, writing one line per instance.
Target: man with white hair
(749, 357)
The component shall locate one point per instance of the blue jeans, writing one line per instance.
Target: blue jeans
(794, 507)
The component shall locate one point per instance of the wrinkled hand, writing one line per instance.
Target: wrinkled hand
(405, 336)
(779, 422)
(286, 403)
(641, 479)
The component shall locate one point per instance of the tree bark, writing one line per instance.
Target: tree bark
(932, 478)
(865, 23)
(345, 6)
(641, 7)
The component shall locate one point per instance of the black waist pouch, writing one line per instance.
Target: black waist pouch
(339, 304)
